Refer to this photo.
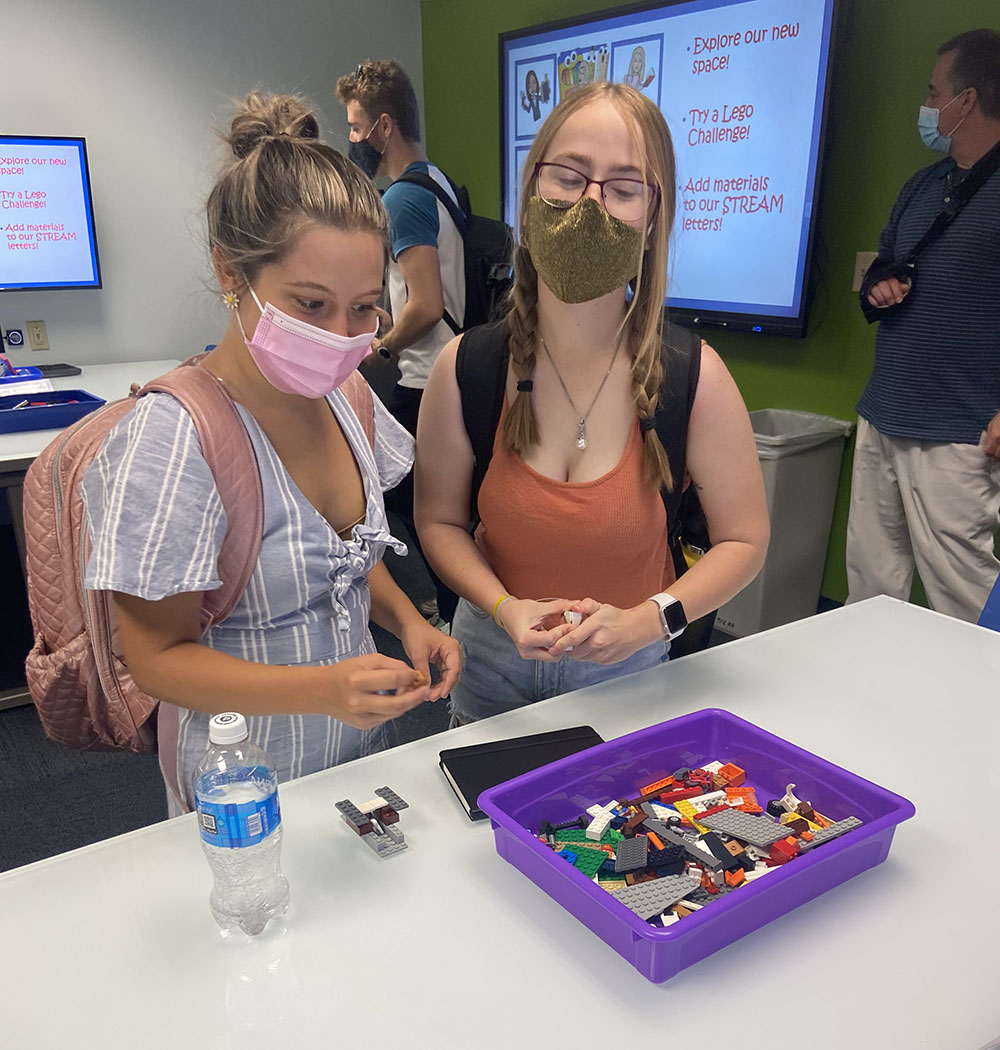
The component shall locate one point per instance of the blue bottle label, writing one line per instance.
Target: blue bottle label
(232, 825)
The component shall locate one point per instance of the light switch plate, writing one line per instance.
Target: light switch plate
(861, 263)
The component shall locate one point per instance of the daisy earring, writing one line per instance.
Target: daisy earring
(231, 299)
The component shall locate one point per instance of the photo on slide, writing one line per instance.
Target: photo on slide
(534, 80)
(582, 65)
(638, 64)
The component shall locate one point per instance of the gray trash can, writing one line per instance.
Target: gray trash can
(800, 455)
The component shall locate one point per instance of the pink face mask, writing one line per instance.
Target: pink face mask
(299, 358)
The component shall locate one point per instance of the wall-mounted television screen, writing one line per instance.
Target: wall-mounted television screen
(743, 86)
(46, 215)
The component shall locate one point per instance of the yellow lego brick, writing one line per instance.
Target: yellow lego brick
(684, 807)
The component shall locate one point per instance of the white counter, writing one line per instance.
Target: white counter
(445, 945)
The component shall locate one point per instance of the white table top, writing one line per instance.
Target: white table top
(446, 945)
(109, 382)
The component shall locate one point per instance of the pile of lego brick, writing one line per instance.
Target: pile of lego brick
(689, 839)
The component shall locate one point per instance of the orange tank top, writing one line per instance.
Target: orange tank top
(604, 539)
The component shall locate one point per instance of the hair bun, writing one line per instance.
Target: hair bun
(264, 117)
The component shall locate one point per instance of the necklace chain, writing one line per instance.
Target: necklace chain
(581, 437)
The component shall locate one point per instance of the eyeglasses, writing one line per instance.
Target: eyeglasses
(626, 199)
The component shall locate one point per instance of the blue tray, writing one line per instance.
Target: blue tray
(22, 375)
(58, 409)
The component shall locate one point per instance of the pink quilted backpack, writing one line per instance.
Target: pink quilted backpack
(76, 673)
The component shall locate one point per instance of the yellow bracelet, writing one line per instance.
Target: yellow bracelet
(496, 607)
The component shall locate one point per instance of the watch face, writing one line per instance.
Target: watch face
(674, 616)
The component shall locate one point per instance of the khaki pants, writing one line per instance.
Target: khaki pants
(925, 504)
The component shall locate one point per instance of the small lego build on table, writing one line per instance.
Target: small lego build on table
(374, 820)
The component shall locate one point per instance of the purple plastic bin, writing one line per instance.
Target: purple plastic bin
(618, 768)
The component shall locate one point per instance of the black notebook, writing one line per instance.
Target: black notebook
(471, 770)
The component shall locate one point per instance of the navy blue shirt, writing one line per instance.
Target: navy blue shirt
(937, 358)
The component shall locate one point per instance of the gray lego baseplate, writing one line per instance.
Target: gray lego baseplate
(647, 899)
(630, 854)
(832, 832)
(758, 831)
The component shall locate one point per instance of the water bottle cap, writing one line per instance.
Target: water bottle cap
(227, 728)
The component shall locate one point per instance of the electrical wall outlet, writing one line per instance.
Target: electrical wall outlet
(37, 339)
(861, 263)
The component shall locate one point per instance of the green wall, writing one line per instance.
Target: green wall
(885, 52)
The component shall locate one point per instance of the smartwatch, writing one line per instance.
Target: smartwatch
(383, 350)
(672, 615)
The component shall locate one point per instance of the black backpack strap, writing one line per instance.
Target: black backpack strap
(481, 374)
(682, 367)
(903, 269)
(458, 217)
(422, 179)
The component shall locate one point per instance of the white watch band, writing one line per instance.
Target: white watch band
(664, 601)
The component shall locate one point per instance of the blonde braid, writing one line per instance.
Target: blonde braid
(647, 379)
(520, 428)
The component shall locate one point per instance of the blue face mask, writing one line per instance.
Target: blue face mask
(928, 126)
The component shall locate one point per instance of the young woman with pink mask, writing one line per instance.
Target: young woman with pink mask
(299, 242)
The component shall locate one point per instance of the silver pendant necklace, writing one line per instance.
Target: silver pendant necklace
(581, 437)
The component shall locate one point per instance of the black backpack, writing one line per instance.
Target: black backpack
(481, 373)
(489, 249)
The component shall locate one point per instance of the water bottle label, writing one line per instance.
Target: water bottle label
(234, 825)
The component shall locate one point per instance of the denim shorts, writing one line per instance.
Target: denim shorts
(496, 679)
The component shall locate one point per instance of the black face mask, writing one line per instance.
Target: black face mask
(365, 155)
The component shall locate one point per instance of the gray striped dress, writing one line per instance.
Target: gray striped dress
(157, 523)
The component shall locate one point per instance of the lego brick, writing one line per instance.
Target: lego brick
(702, 896)
(756, 831)
(631, 854)
(788, 801)
(667, 861)
(832, 832)
(589, 861)
(392, 798)
(733, 774)
(707, 801)
(651, 898)
(597, 827)
(354, 817)
(686, 810)
(743, 798)
(656, 787)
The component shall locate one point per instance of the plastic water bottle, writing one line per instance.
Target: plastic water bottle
(236, 794)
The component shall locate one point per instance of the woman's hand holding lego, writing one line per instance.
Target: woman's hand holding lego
(425, 645)
(608, 634)
(365, 691)
(535, 626)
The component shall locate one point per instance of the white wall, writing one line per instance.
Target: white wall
(147, 82)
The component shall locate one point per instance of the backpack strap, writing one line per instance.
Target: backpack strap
(359, 396)
(458, 217)
(682, 367)
(229, 454)
(481, 374)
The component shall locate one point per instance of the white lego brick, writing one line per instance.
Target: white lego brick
(373, 804)
(597, 827)
(707, 801)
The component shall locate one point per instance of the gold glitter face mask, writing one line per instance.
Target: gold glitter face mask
(582, 252)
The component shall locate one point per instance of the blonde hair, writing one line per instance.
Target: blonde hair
(281, 178)
(642, 327)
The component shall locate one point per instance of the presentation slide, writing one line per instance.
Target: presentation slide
(45, 215)
(741, 84)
